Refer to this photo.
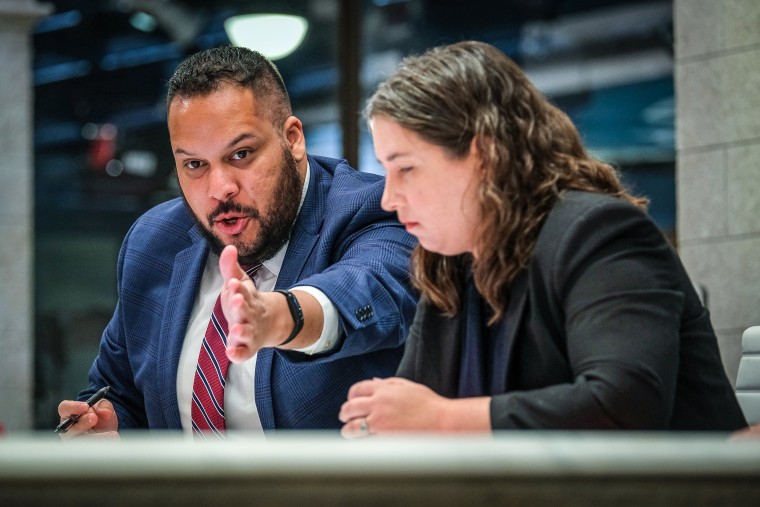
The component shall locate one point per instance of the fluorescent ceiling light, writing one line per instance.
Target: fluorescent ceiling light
(273, 35)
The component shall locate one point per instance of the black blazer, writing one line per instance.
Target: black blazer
(605, 331)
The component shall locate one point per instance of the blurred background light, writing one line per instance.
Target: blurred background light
(273, 35)
(143, 21)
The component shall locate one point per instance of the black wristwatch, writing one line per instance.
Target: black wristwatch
(295, 312)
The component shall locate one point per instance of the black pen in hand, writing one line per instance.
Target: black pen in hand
(92, 400)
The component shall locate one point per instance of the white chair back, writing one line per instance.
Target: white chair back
(748, 376)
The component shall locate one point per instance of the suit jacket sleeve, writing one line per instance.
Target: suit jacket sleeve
(367, 273)
(607, 292)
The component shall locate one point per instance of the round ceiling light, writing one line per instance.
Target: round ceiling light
(273, 35)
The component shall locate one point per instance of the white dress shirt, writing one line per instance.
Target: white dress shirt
(239, 398)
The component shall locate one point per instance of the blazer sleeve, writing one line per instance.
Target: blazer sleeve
(613, 290)
(367, 272)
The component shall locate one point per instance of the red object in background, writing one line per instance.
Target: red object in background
(102, 147)
(2, 429)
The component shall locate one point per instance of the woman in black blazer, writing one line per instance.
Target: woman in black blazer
(550, 300)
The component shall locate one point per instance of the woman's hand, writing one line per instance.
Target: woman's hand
(397, 405)
(390, 405)
(751, 432)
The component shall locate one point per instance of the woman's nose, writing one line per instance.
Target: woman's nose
(389, 199)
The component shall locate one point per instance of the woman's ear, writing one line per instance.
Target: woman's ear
(474, 150)
(293, 133)
(475, 154)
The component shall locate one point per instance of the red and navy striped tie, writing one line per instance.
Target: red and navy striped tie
(211, 372)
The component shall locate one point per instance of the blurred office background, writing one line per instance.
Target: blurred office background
(664, 89)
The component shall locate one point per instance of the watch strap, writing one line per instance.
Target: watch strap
(295, 312)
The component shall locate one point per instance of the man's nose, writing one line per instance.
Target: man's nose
(222, 183)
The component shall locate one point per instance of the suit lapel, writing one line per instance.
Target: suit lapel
(302, 242)
(514, 316)
(307, 227)
(440, 351)
(186, 276)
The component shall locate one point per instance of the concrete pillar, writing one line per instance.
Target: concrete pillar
(717, 84)
(16, 213)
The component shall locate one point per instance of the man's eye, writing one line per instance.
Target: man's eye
(239, 155)
(192, 164)
(403, 170)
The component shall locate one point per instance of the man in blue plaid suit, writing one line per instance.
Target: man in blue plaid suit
(250, 195)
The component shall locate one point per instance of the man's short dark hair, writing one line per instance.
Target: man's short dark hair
(207, 71)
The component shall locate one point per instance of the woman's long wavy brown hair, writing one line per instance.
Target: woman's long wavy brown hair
(530, 153)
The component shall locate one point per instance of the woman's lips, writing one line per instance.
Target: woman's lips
(410, 225)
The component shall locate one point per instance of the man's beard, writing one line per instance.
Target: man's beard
(275, 225)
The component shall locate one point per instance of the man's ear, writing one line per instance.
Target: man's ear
(293, 133)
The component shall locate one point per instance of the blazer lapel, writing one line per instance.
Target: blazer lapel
(302, 241)
(513, 317)
(186, 277)
(440, 352)
(306, 229)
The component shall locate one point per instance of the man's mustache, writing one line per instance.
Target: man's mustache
(232, 207)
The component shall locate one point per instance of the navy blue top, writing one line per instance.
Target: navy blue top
(483, 365)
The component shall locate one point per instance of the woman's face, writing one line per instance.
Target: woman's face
(432, 193)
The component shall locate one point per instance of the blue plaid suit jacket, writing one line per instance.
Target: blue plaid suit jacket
(343, 243)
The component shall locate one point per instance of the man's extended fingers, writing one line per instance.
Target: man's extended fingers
(228, 264)
(238, 353)
(239, 311)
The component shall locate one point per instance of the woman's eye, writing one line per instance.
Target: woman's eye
(403, 170)
(192, 164)
(240, 155)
